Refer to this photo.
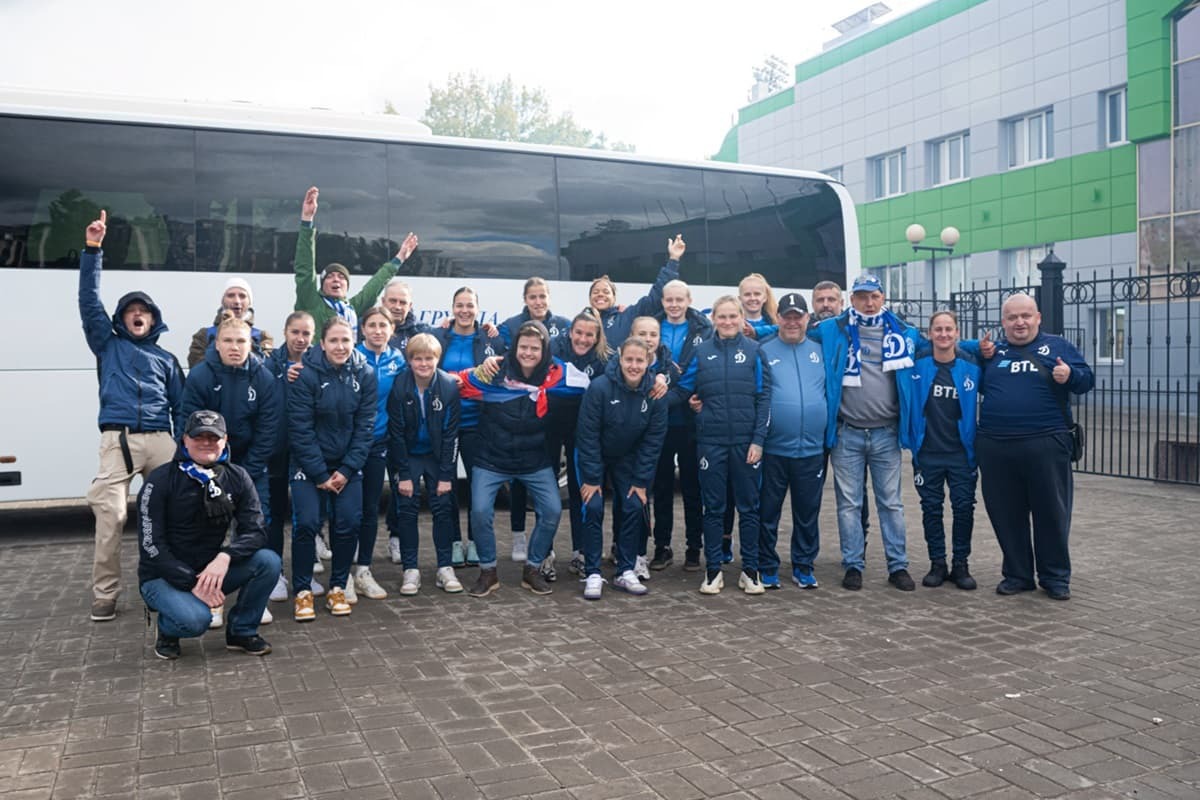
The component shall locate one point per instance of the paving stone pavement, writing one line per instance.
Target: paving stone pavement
(938, 693)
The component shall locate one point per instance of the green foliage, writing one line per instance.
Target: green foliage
(470, 106)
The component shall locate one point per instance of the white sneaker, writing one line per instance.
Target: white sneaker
(317, 589)
(547, 569)
(267, 619)
(520, 548)
(593, 586)
(410, 584)
(750, 585)
(394, 551)
(318, 567)
(365, 582)
(323, 551)
(280, 592)
(628, 581)
(447, 581)
(714, 586)
(351, 595)
(218, 618)
(642, 569)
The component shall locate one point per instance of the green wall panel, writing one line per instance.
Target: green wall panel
(767, 105)
(1148, 45)
(1094, 194)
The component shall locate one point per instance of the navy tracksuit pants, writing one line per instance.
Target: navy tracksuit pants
(721, 466)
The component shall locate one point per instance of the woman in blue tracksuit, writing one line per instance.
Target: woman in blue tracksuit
(602, 296)
(621, 429)
(585, 350)
(681, 329)
(423, 413)
(298, 331)
(537, 307)
(733, 401)
(386, 362)
(465, 345)
(331, 424)
(941, 428)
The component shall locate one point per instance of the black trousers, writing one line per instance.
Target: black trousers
(1028, 480)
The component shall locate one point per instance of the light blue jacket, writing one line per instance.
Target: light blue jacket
(965, 374)
(798, 405)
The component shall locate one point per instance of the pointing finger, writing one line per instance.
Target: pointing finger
(103, 217)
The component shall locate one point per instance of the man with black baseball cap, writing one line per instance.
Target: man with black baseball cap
(184, 512)
(794, 453)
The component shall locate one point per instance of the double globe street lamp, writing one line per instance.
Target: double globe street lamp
(915, 234)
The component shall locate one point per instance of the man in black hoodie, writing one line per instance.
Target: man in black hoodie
(184, 511)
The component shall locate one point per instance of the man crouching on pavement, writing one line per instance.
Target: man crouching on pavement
(186, 569)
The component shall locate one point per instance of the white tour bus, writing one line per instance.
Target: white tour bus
(196, 194)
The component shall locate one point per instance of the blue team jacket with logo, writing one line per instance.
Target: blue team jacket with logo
(734, 384)
(965, 374)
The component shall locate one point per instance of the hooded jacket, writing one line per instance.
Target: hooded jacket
(308, 282)
(386, 366)
(441, 413)
(734, 383)
(682, 340)
(620, 428)
(278, 363)
(261, 343)
(331, 416)
(141, 384)
(176, 540)
(555, 326)
(248, 397)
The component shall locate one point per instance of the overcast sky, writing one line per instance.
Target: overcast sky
(666, 76)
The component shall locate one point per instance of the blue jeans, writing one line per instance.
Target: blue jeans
(632, 530)
(951, 469)
(805, 477)
(407, 508)
(879, 450)
(547, 508)
(723, 469)
(345, 521)
(372, 489)
(182, 615)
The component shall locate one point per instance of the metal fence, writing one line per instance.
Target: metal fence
(1138, 330)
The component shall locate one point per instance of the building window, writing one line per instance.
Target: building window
(834, 172)
(887, 173)
(894, 279)
(1020, 265)
(951, 274)
(950, 159)
(1114, 117)
(1030, 139)
(1108, 335)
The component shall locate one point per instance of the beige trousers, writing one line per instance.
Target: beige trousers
(109, 498)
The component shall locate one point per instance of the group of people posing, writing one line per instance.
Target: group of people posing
(748, 405)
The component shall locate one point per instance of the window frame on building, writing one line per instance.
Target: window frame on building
(941, 162)
(882, 174)
(1120, 107)
(1109, 332)
(1012, 259)
(1018, 134)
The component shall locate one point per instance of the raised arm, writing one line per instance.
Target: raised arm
(97, 325)
(366, 297)
(308, 290)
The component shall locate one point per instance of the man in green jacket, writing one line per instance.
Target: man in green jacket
(326, 295)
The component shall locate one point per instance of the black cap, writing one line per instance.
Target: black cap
(793, 301)
(205, 421)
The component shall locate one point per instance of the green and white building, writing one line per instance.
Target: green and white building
(1026, 124)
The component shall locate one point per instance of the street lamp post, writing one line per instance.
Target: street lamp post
(916, 234)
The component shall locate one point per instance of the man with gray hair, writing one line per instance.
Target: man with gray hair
(397, 298)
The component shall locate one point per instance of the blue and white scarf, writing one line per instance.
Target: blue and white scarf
(345, 311)
(219, 507)
(896, 349)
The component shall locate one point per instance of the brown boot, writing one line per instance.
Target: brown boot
(533, 580)
(485, 584)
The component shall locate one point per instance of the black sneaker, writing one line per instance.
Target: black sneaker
(1057, 593)
(852, 580)
(961, 576)
(254, 645)
(1012, 586)
(691, 560)
(902, 580)
(937, 573)
(167, 647)
(663, 558)
(533, 580)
